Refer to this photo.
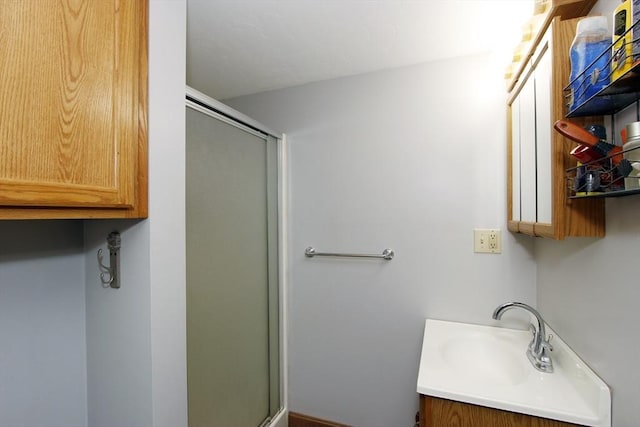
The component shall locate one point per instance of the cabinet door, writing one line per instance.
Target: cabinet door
(541, 189)
(544, 127)
(71, 91)
(437, 412)
(515, 160)
(528, 152)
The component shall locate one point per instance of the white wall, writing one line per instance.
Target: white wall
(42, 328)
(136, 335)
(411, 159)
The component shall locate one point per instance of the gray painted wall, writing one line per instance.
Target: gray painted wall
(118, 329)
(412, 159)
(137, 338)
(42, 333)
(166, 234)
(73, 354)
(588, 291)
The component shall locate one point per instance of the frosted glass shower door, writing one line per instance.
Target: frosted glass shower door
(232, 299)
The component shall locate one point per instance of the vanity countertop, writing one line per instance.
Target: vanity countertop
(487, 366)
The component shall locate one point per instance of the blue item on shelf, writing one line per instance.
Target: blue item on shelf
(590, 60)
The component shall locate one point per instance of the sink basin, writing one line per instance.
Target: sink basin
(488, 366)
(490, 358)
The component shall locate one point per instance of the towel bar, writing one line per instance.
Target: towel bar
(387, 254)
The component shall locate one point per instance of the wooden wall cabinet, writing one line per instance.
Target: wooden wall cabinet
(436, 412)
(537, 156)
(73, 117)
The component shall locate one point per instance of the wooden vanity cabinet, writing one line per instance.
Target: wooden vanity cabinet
(73, 116)
(436, 412)
(537, 155)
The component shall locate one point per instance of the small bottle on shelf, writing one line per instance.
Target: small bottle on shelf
(626, 45)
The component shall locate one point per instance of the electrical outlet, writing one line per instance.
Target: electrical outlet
(487, 240)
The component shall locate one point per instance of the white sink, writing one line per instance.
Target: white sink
(488, 366)
(489, 358)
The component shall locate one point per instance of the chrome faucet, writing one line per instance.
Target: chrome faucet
(539, 346)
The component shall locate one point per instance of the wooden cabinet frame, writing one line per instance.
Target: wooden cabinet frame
(437, 412)
(122, 189)
(570, 217)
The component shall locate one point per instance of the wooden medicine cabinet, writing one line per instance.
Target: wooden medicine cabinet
(537, 156)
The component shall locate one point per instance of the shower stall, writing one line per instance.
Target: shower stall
(234, 305)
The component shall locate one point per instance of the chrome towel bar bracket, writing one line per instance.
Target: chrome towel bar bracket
(387, 254)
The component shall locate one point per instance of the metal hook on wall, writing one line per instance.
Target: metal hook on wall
(110, 275)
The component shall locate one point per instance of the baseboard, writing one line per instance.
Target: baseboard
(301, 420)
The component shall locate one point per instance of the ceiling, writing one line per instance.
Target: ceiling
(240, 47)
